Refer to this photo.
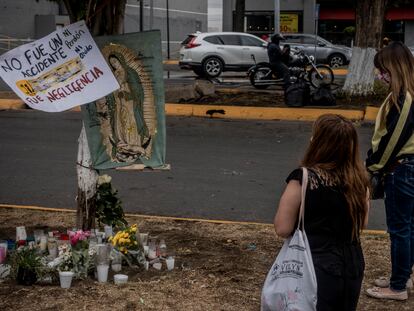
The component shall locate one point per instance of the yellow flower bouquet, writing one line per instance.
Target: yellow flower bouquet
(125, 242)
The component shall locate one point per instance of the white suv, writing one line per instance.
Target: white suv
(209, 54)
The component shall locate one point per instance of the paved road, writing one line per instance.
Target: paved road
(221, 169)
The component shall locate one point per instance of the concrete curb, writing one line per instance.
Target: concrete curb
(217, 221)
(239, 112)
(12, 104)
(170, 62)
(266, 113)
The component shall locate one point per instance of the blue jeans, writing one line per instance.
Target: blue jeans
(399, 206)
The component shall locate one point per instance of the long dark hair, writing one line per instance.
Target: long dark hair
(396, 60)
(334, 149)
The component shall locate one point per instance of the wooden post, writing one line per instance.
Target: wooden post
(87, 178)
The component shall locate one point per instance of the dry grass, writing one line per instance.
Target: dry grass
(216, 270)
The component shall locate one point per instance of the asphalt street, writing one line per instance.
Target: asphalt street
(220, 169)
(173, 74)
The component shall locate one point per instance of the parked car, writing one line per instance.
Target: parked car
(326, 52)
(209, 54)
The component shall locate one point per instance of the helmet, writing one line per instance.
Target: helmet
(277, 37)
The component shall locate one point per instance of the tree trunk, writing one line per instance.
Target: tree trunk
(87, 178)
(103, 17)
(239, 16)
(369, 28)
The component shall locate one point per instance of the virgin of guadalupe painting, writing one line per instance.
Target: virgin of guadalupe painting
(128, 125)
(132, 105)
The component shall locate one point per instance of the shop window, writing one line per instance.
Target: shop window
(335, 31)
(394, 30)
(262, 22)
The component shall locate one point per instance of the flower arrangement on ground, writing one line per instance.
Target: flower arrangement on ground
(108, 206)
(125, 242)
(80, 252)
(25, 262)
(65, 258)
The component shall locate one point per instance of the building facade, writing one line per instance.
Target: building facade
(185, 17)
(23, 20)
(295, 16)
(333, 20)
(337, 23)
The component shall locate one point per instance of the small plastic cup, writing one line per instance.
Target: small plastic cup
(120, 279)
(65, 278)
(102, 273)
(170, 261)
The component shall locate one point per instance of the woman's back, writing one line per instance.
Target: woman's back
(328, 224)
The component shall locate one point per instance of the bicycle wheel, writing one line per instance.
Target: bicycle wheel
(323, 75)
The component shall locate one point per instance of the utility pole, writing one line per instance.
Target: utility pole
(277, 16)
(151, 14)
(168, 31)
(141, 15)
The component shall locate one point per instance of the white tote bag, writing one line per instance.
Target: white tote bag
(291, 282)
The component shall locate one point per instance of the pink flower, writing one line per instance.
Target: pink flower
(76, 236)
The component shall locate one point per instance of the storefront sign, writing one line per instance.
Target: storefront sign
(60, 71)
(289, 22)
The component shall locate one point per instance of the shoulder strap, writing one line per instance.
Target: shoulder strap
(301, 222)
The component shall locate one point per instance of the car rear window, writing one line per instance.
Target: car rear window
(187, 40)
(230, 39)
(213, 40)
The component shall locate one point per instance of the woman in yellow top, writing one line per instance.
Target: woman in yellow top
(392, 155)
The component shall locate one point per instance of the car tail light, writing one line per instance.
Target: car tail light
(191, 44)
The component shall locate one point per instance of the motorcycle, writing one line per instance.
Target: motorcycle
(301, 66)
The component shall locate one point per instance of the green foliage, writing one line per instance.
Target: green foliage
(24, 258)
(109, 207)
(349, 31)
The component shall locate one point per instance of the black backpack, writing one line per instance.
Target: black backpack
(297, 94)
(323, 96)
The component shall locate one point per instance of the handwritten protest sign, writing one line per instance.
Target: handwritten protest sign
(60, 71)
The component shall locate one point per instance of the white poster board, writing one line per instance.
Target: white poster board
(60, 71)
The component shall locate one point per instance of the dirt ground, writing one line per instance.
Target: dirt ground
(218, 267)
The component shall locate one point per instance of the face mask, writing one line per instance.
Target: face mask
(384, 77)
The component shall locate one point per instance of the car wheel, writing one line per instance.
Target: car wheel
(336, 60)
(212, 67)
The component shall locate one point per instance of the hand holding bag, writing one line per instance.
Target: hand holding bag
(291, 282)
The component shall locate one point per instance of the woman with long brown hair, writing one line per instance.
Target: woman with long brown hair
(392, 155)
(336, 210)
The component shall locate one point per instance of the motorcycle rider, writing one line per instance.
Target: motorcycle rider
(276, 58)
